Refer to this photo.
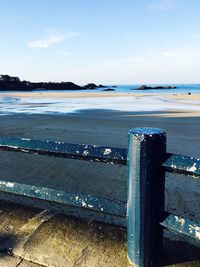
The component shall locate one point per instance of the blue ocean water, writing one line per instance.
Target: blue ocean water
(181, 88)
(128, 88)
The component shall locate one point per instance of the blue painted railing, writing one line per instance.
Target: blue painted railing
(147, 162)
(146, 219)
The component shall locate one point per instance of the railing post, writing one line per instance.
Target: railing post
(146, 182)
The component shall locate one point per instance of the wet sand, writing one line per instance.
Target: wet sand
(183, 105)
(100, 127)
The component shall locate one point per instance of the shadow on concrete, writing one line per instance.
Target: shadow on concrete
(7, 244)
(175, 253)
(179, 253)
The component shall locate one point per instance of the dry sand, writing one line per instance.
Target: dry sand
(64, 94)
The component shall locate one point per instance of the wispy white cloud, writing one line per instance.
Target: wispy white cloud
(51, 39)
(163, 5)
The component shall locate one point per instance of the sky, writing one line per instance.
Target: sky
(101, 41)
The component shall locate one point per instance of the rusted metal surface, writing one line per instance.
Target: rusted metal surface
(103, 154)
(94, 203)
(183, 226)
(182, 165)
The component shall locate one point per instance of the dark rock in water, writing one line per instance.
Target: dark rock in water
(93, 86)
(114, 86)
(101, 86)
(109, 89)
(165, 87)
(189, 93)
(90, 86)
(145, 87)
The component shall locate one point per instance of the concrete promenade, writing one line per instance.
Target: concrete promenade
(31, 237)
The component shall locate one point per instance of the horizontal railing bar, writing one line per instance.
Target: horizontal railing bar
(90, 202)
(183, 226)
(103, 154)
(182, 165)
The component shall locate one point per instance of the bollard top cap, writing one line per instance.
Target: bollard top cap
(147, 131)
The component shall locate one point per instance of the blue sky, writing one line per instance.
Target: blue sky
(102, 41)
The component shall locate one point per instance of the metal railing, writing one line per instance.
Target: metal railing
(147, 162)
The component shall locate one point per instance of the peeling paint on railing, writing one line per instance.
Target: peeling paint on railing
(94, 153)
(182, 226)
(98, 204)
(182, 165)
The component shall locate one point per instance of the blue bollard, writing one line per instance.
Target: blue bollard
(146, 183)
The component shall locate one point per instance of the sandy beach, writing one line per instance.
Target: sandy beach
(65, 94)
(101, 127)
(62, 102)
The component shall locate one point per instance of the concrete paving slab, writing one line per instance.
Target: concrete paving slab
(12, 218)
(28, 229)
(42, 238)
(77, 242)
(9, 261)
(29, 264)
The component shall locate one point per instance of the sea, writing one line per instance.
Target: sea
(180, 88)
(151, 100)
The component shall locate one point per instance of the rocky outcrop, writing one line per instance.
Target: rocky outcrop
(145, 87)
(90, 86)
(93, 86)
(108, 89)
(15, 84)
(101, 86)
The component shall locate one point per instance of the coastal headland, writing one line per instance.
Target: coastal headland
(8, 83)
